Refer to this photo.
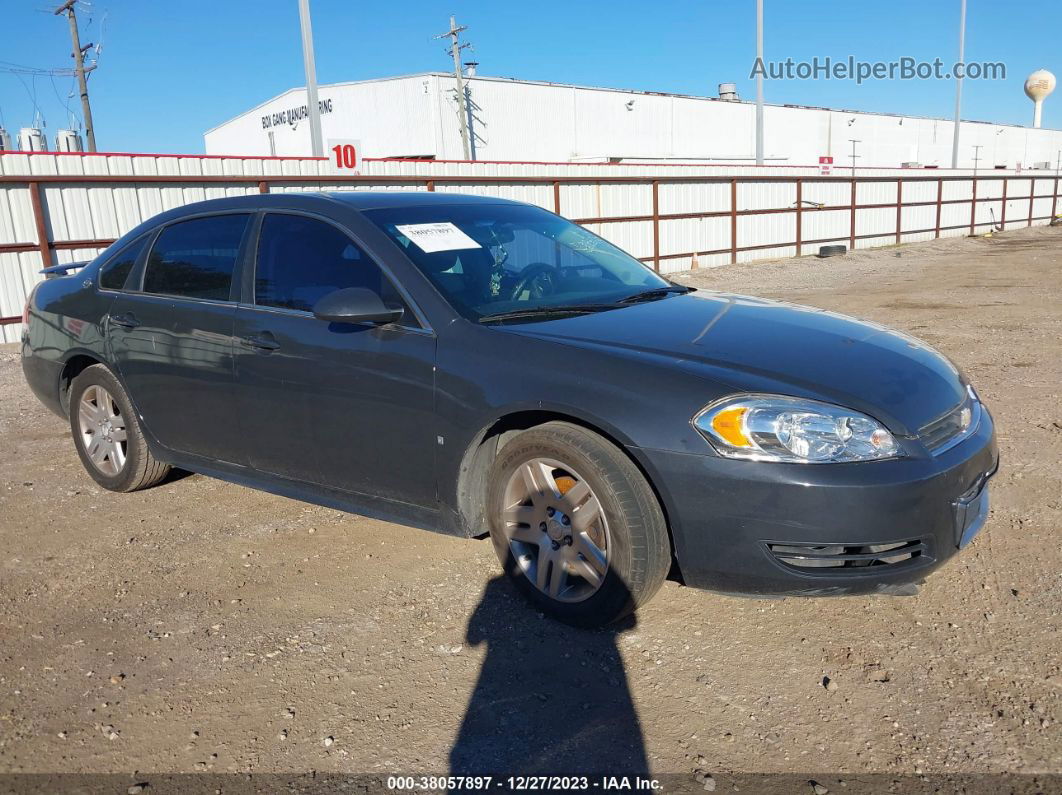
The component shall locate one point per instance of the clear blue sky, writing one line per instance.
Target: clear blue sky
(171, 70)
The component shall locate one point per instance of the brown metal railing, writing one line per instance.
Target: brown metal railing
(45, 245)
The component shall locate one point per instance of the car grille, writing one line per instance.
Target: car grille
(827, 558)
(947, 431)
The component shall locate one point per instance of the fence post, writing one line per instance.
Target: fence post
(430, 185)
(1054, 198)
(43, 243)
(733, 221)
(940, 202)
(656, 225)
(263, 186)
(1032, 196)
(899, 208)
(556, 197)
(799, 212)
(1003, 212)
(852, 225)
(973, 205)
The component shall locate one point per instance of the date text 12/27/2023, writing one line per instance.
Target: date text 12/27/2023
(523, 783)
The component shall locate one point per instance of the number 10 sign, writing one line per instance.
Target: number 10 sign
(344, 155)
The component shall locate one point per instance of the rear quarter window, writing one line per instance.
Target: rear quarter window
(115, 273)
(196, 258)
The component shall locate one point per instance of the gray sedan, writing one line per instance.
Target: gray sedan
(480, 367)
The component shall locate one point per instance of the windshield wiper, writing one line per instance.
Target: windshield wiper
(546, 311)
(652, 295)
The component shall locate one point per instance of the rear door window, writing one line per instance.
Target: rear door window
(113, 275)
(301, 260)
(196, 258)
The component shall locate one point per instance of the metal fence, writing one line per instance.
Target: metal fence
(672, 219)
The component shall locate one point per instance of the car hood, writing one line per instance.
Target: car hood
(753, 344)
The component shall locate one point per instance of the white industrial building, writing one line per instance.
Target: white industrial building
(516, 120)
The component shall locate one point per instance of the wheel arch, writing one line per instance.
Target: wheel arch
(474, 469)
(75, 363)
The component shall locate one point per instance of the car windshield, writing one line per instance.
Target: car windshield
(504, 261)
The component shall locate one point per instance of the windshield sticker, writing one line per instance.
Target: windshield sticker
(442, 236)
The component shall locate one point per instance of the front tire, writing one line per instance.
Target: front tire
(107, 434)
(576, 525)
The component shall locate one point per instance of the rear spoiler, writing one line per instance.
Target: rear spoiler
(62, 270)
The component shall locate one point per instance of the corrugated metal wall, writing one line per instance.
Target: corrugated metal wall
(673, 217)
(417, 115)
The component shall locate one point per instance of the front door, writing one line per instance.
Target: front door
(345, 406)
(172, 339)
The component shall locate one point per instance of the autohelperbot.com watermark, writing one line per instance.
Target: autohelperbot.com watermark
(850, 68)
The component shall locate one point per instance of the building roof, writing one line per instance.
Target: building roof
(550, 84)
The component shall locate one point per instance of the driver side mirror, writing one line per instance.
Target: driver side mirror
(355, 305)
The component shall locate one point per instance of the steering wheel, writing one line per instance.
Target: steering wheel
(538, 278)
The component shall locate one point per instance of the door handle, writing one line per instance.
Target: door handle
(263, 341)
(125, 320)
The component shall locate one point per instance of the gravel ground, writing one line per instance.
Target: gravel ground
(201, 626)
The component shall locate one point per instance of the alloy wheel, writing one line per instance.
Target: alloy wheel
(103, 431)
(556, 529)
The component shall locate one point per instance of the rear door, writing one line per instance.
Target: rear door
(171, 336)
(344, 406)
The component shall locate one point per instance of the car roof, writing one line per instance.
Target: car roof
(373, 200)
(308, 201)
(312, 200)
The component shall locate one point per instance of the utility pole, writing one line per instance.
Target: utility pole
(854, 155)
(958, 85)
(79, 66)
(977, 156)
(462, 100)
(759, 83)
(314, 110)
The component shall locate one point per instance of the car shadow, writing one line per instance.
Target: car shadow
(175, 475)
(550, 699)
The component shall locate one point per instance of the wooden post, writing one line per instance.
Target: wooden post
(799, 212)
(973, 205)
(43, 243)
(556, 197)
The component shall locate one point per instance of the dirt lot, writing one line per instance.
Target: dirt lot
(205, 626)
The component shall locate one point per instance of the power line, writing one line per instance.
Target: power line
(20, 69)
(64, 102)
(37, 112)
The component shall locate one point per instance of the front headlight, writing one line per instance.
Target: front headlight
(794, 430)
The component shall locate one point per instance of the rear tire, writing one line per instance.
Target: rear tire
(107, 434)
(576, 525)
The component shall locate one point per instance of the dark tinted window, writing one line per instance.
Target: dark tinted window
(116, 271)
(196, 258)
(301, 260)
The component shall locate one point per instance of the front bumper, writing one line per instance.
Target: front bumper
(819, 529)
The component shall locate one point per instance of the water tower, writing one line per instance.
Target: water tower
(1037, 86)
